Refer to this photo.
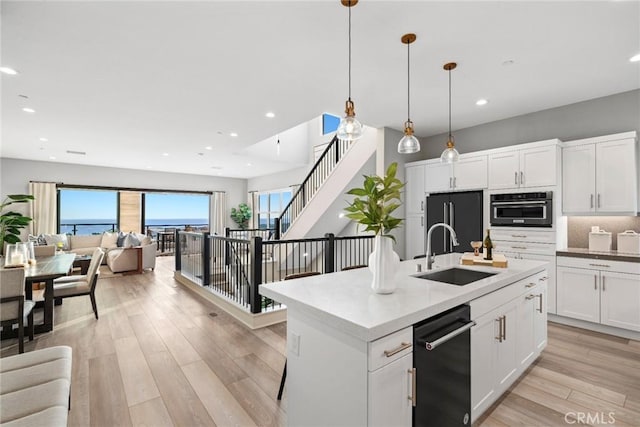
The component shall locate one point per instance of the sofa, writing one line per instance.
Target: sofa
(35, 386)
(126, 257)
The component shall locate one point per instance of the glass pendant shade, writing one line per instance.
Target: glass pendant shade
(349, 128)
(409, 143)
(450, 154)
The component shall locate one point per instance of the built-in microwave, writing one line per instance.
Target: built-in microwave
(522, 209)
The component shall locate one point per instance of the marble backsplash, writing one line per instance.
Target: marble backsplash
(578, 228)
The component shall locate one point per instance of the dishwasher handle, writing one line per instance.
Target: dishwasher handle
(431, 345)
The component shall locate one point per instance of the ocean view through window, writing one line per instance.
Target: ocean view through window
(88, 211)
(168, 210)
(270, 206)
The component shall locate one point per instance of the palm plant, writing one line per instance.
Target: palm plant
(12, 222)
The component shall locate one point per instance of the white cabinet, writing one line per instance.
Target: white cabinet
(390, 389)
(524, 168)
(533, 245)
(414, 190)
(469, 173)
(509, 334)
(605, 292)
(599, 176)
(414, 236)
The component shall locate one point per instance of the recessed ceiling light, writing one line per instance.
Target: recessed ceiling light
(248, 164)
(52, 157)
(635, 58)
(8, 70)
(165, 154)
(208, 147)
(270, 115)
(43, 139)
(28, 110)
(80, 153)
(482, 102)
(233, 134)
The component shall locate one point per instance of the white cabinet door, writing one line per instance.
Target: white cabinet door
(550, 297)
(414, 236)
(526, 312)
(578, 293)
(506, 357)
(620, 300)
(484, 348)
(438, 177)
(389, 392)
(504, 170)
(578, 179)
(538, 167)
(540, 318)
(470, 173)
(414, 194)
(616, 177)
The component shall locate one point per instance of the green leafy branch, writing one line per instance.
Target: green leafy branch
(12, 222)
(375, 201)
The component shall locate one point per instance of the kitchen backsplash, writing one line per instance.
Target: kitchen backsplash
(578, 228)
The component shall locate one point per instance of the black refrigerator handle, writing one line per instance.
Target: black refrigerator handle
(452, 215)
(446, 221)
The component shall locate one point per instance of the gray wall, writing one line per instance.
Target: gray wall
(595, 117)
(278, 180)
(15, 175)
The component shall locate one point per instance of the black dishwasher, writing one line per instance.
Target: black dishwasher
(442, 360)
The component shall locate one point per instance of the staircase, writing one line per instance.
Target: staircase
(314, 208)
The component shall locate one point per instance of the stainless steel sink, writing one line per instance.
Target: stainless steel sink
(455, 276)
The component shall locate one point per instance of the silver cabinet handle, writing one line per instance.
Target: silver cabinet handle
(529, 297)
(401, 347)
(600, 265)
(599, 205)
(422, 205)
(515, 180)
(540, 306)
(421, 221)
(412, 397)
(591, 200)
(501, 333)
(454, 182)
(543, 279)
(504, 327)
(521, 178)
(603, 285)
(595, 282)
(524, 236)
(450, 182)
(529, 285)
(519, 247)
(433, 344)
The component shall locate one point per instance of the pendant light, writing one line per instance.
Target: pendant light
(409, 143)
(450, 154)
(278, 145)
(349, 128)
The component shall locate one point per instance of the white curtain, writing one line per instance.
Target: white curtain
(43, 208)
(218, 212)
(253, 205)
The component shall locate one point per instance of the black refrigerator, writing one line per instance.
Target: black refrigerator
(463, 212)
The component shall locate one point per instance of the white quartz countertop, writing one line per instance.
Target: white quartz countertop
(345, 300)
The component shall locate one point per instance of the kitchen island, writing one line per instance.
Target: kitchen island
(339, 331)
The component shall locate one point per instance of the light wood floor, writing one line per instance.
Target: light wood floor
(158, 357)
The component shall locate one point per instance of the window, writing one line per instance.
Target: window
(329, 123)
(270, 206)
(86, 211)
(175, 210)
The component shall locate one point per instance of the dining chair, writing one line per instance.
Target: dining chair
(284, 371)
(13, 307)
(74, 286)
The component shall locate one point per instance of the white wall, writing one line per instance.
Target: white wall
(15, 175)
(278, 180)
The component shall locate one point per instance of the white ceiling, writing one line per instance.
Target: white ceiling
(126, 82)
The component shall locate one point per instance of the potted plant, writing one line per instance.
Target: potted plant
(372, 207)
(241, 215)
(12, 222)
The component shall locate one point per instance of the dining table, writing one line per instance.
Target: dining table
(46, 269)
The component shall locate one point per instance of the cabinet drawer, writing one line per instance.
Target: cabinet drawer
(389, 348)
(599, 264)
(523, 236)
(486, 303)
(524, 248)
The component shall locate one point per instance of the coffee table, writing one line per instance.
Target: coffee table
(83, 262)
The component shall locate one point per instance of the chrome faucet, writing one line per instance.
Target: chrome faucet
(454, 240)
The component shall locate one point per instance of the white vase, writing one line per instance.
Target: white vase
(383, 263)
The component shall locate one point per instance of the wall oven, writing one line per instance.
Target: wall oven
(522, 209)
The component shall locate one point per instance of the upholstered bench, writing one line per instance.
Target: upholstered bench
(34, 388)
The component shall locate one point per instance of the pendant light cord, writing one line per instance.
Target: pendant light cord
(349, 51)
(408, 83)
(449, 104)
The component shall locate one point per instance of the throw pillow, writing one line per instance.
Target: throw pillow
(54, 239)
(109, 240)
(130, 241)
(120, 239)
